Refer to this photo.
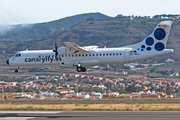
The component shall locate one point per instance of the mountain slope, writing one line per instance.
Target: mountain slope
(43, 30)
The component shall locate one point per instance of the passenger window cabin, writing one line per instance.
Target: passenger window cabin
(83, 55)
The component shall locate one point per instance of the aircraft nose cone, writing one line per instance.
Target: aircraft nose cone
(7, 61)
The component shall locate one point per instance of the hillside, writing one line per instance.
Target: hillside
(113, 32)
(27, 32)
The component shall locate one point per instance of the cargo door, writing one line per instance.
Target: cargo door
(127, 55)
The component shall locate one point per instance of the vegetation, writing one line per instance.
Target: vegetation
(113, 107)
(26, 32)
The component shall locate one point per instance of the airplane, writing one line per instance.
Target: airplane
(72, 55)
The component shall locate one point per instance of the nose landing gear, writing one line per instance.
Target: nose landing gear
(16, 69)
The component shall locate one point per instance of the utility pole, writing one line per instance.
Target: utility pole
(2, 93)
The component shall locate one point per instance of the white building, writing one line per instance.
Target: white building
(95, 95)
(114, 93)
(46, 93)
(85, 96)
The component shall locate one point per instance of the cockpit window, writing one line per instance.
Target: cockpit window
(17, 55)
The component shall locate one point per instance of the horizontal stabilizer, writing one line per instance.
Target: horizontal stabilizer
(163, 24)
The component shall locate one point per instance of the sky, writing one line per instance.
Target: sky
(37, 11)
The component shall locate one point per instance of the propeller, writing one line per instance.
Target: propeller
(56, 52)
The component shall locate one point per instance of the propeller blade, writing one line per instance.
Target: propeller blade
(56, 52)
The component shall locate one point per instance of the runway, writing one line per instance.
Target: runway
(89, 115)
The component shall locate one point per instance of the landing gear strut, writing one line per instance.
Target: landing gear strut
(16, 69)
(81, 69)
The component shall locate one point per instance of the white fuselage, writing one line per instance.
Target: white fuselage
(99, 56)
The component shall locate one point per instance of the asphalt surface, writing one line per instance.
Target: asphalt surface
(90, 115)
(94, 102)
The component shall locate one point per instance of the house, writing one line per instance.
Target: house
(77, 95)
(169, 60)
(132, 96)
(108, 80)
(24, 95)
(55, 76)
(115, 94)
(124, 73)
(102, 86)
(146, 82)
(6, 95)
(46, 93)
(178, 94)
(176, 17)
(177, 83)
(70, 75)
(174, 74)
(95, 95)
(76, 75)
(138, 81)
(62, 91)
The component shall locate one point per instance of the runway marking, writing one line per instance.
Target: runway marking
(33, 112)
(124, 111)
(16, 118)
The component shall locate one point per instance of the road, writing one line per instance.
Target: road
(94, 102)
(89, 115)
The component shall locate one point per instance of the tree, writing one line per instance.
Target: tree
(76, 90)
(169, 90)
(97, 89)
(153, 88)
(108, 85)
(91, 19)
(172, 83)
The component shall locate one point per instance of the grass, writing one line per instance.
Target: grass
(91, 99)
(113, 107)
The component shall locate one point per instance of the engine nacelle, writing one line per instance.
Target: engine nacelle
(82, 63)
(64, 50)
(68, 63)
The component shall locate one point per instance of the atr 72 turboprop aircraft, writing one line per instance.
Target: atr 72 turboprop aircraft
(72, 55)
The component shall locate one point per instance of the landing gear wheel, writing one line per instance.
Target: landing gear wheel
(83, 69)
(16, 70)
(79, 69)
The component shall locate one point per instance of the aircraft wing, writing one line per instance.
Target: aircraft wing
(74, 47)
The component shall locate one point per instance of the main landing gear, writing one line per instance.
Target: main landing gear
(81, 69)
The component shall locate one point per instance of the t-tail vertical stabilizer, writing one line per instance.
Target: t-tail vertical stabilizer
(154, 44)
(157, 39)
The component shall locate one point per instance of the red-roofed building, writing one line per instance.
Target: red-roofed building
(169, 60)
(62, 91)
